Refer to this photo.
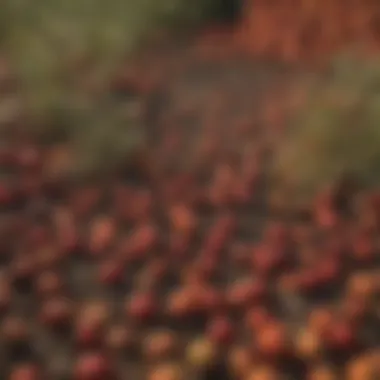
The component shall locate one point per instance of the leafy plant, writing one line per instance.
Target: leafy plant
(336, 134)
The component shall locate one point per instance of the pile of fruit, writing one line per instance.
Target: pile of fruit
(307, 29)
(190, 273)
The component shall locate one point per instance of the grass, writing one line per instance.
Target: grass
(337, 132)
(64, 53)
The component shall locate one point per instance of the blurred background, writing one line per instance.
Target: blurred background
(189, 190)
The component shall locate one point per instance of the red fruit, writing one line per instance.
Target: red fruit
(183, 219)
(267, 258)
(111, 272)
(240, 361)
(328, 270)
(25, 372)
(141, 206)
(30, 185)
(48, 284)
(84, 200)
(355, 310)
(66, 230)
(88, 335)
(165, 371)
(239, 254)
(6, 157)
(29, 157)
(246, 292)
(92, 366)
(5, 293)
(242, 193)
(277, 234)
(205, 267)
(220, 331)
(56, 312)
(320, 320)
(119, 338)
(321, 372)
(121, 201)
(102, 234)
(47, 257)
(210, 300)
(141, 307)
(6, 196)
(256, 318)
(160, 346)
(361, 286)
(272, 340)
(38, 235)
(340, 336)
(150, 276)
(219, 234)
(179, 245)
(90, 323)
(326, 217)
(23, 267)
(363, 249)
(181, 303)
(142, 240)
(14, 329)
(309, 280)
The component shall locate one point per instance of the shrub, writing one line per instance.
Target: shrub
(337, 132)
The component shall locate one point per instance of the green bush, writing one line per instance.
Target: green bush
(337, 132)
(63, 53)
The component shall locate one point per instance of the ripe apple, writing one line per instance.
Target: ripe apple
(14, 330)
(141, 307)
(166, 372)
(272, 340)
(160, 346)
(48, 257)
(38, 235)
(22, 271)
(142, 206)
(360, 285)
(220, 331)
(319, 321)
(27, 371)
(142, 240)
(363, 250)
(48, 284)
(181, 303)
(307, 344)
(5, 294)
(102, 234)
(90, 323)
(6, 196)
(256, 318)
(120, 339)
(247, 292)
(29, 157)
(322, 372)
(340, 336)
(266, 258)
(200, 353)
(240, 361)
(111, 272)
(263, 373)
(92, 366)
(361, 367)
(56, 312)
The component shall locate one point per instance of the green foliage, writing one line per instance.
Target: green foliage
(63, 53)
(337, 133)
